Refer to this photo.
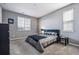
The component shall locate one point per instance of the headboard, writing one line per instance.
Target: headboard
(52, 30)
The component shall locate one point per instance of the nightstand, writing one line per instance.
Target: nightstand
(64, 40)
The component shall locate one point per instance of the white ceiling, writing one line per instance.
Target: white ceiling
(33, 9)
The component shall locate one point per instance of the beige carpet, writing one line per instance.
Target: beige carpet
(20, 47)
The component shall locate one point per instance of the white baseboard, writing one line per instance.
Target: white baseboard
(74, 44)
(18, 38)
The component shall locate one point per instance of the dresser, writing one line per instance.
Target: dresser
(4, 39)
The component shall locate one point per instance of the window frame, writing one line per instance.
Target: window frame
(24, 28)
(70, 21)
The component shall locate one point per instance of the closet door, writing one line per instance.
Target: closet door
(4, 39)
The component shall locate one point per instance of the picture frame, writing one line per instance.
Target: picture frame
(10, 21)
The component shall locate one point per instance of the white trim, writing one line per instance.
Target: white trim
(74, 44)
(18, 38)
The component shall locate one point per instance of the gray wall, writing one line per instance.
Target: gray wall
(54, 20)
(14, 33)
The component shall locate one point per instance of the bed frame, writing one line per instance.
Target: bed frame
(37, 45)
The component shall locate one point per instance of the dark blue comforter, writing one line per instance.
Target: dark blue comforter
(36, 37)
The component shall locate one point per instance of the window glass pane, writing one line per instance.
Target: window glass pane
(68, 26)
(20, 22)
(27, 24)
(68, 15)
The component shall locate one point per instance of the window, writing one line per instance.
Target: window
(24, 23)
(68, 20)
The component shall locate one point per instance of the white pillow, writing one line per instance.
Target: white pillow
(42, 32)
(54, 33)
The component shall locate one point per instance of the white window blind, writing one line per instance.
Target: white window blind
(24, 23)
(68, 20)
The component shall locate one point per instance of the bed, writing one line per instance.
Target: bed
(41, 41)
